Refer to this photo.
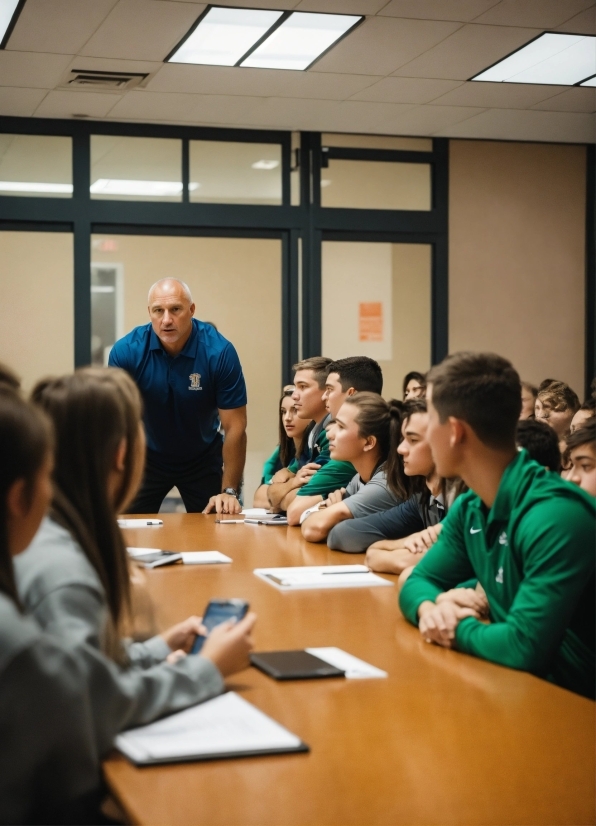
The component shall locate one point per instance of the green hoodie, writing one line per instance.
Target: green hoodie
(533, 553)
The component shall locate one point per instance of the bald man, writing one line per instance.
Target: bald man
(190, 379)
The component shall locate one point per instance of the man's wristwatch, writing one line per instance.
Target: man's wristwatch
(231, 492)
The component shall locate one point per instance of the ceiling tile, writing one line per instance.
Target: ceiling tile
(66, 104)
(406, 90)
(342, 6)
(287, 113)
(499, 95)
(35, 69)
(426, 120)
(176, 108)
(461, 10)
(142, 29)
(60, 26)
(380, 45)
(230, 80)
(467, 52)
(583, 23)
(543, 14)
(20, 103)
(571, 100)
(513, 124)
(360, 116)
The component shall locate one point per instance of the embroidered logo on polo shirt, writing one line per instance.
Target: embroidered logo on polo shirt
(499, 576)
(195, 381)
(503, 539)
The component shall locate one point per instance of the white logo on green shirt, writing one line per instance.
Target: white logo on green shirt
(499, 576)
(503, 539)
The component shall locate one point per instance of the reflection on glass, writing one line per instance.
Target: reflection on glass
(136, 169)
(235, 173)
(376, 185)
(107, 310)
(38, 166)
(378, 142)
(376, 302)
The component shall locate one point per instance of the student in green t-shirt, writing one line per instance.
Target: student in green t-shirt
(526, 534)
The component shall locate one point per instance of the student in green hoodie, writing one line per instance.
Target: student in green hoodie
(525, 534)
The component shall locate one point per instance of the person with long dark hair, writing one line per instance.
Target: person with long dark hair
(49, 771)
(75, 579)
(293, 432)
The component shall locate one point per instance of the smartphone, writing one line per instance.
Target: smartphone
(218, 611)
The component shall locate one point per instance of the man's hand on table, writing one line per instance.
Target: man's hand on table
(438, 622)
(223, 503)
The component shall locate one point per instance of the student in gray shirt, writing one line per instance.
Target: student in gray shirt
(74, 578)
(49, 769)
(363, 432)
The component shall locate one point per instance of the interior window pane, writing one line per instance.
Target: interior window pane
(378, 142)
(376, 303)
(136, 169)
(235, 173)
(376, 185)
(125, 266)
(39, 268)
(38, 166)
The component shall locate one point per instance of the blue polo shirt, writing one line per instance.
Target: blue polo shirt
(182, 394)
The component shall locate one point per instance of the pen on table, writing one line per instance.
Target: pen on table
(342, 573)
(141, 522)
(230, 521)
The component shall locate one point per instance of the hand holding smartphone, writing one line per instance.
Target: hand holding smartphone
(217, 612)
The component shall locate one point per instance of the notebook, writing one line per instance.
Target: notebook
(227, 726)
(321, 576)
(294, 665)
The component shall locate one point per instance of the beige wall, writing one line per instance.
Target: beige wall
(516, 255)
(236, 284)
(37, 329)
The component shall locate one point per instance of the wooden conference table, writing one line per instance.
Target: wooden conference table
(446, 739)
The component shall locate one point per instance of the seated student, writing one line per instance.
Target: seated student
(581, 446)
(528, 396)
(584, 414)
(348, 376)
(49, 771)
(414, 386)
(309, 382)
(74, 578)
(344, 378)
(291, 445)
(556, 405)
(540, 441)
(523, 532)
(361, 434)
(424, 505)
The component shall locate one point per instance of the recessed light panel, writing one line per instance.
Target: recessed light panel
(7, 13)
(555, 59)
(119, 186)
(300, 40)
(224, 35)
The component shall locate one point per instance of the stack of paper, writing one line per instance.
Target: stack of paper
(355, 669)
(227, 726)
(320, 576)
(204, 557)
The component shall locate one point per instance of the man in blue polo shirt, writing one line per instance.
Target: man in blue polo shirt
(190, 379)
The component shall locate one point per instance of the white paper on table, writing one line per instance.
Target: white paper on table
(203, 557)
(255, 513)
(223, 726)
(355, 669)
(320, 576)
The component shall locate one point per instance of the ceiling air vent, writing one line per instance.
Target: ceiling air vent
(103, 81)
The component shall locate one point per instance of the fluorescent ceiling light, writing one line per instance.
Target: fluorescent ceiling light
(29, 186)
(300, 40)
(591, 81)
(224, 35)
(7, 19)
(557, 59)
(120, 186)
(265, 164)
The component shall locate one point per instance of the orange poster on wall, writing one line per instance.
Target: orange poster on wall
(370, 321)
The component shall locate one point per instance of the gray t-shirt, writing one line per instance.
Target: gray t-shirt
(364, 498)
